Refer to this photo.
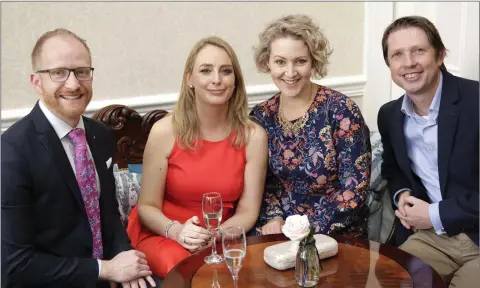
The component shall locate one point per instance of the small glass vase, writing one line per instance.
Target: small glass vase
(307, 265)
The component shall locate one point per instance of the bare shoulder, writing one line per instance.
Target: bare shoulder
(161, 136)
(257, 136)
(163, 128)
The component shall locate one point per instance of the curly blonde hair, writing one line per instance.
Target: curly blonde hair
(299, 27)
(185, 121)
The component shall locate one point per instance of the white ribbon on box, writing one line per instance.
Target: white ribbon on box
(283, 256)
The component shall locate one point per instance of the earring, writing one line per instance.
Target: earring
(191, 86)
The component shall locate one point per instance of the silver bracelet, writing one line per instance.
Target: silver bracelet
(169, 226)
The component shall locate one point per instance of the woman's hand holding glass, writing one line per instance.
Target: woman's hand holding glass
(212, 208)
(191, 235)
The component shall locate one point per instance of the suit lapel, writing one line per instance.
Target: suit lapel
(96, 150)
(447, 123)
(53, 145)
(399, 143)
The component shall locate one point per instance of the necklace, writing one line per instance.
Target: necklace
(296, 126)
(288, 126)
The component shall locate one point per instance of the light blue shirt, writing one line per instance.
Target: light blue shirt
(422, 148)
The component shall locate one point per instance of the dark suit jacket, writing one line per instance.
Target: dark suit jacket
(458, 156)
(46, 237)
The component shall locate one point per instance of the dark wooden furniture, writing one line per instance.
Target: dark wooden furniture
(359, 263)
(130, 130)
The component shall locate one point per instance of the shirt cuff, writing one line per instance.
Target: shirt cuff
(99, 267)
(395, 201)
(434, 214)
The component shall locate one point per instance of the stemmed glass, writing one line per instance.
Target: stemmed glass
(215, 283)
(234, 250)
(212, 215)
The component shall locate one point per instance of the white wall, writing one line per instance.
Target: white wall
(457, 23)
(139, 49)
(368, 80)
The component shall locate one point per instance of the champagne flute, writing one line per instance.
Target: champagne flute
(215, 283)
(234, 245)
(212, 215)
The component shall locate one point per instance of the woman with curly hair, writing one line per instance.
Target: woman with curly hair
(319, 147)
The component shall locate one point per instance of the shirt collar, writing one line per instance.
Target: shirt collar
(435, 106)
(60, 126)
(407, 104)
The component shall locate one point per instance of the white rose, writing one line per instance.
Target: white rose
(296, 227)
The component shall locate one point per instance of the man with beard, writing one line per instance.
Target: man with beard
(60, 222)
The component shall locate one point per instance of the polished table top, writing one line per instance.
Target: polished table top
(359, 263)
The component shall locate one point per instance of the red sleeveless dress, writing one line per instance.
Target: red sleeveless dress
(215, 167)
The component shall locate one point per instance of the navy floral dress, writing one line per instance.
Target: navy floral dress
(324, 171)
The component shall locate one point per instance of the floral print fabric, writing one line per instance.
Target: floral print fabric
(87, 182)
(324, 171)
(127, 191)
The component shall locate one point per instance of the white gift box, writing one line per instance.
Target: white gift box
(283, 256)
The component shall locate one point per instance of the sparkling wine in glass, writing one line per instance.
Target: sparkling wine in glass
(234, 250)
(212, 220)
(212, 215)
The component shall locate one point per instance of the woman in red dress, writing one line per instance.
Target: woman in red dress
(208, 144)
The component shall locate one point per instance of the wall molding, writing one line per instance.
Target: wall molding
(378, 15)
(353, 86)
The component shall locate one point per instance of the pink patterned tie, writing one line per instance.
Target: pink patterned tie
(87, 182)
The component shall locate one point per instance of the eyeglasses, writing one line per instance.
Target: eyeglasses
(62, 74)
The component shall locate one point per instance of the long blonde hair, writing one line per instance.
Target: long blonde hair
(186, 126)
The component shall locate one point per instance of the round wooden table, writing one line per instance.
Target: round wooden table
(359, 263)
